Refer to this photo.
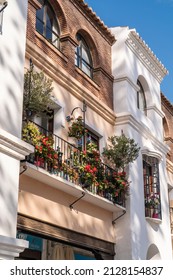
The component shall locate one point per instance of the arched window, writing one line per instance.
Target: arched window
(141, 101)
(83, 57)
(46, 23)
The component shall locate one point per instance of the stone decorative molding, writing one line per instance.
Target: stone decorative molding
(13, 146)
(157, 110)
(128, 80)
(126, 118)
(146, 55)
(10, 248)
(151, 152)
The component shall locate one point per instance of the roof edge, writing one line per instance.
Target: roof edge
(98, 22)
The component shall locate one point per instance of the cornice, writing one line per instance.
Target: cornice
(126, 118)
(156, 109)
(128, 80)
(60, 75)
(146, 56)
(151, 152)
(95, 20)
(166, 103)
(13, 146)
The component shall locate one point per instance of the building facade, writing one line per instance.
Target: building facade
(12, 148)
(110, 80)
(137, 103)
(168, 138)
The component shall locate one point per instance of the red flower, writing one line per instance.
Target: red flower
(94, 169)
(87, 168)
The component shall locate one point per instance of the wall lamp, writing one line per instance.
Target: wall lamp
(3, 4)
(70, 117)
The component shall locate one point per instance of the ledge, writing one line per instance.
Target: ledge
(13, 146)
(11, 247)
(153, 220)
(63, 185)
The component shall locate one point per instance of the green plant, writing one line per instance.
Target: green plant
(121, 151)
(37, 94)
(152, 200)
(76, 129)
(31, 133)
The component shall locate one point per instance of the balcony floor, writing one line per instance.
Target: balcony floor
(59, 183)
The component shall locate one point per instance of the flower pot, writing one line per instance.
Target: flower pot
(151, 212)
(155, 215)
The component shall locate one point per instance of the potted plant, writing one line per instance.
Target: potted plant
(152, 203)
(77, 129)
(121, 151)
(37, 94)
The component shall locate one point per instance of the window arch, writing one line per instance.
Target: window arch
(83, 56)
(141, 101)
(46, 23)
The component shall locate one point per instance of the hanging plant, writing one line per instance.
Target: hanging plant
(37, 94)
(121, 151)
(76, 129)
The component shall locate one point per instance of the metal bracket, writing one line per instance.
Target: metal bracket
(124, 212)
(4, 5)
(71, 205)
(24, 169)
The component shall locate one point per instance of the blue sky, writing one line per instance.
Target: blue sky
(152, 19)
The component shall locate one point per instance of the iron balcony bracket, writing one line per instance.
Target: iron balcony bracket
(24, 169)
(124, 212)
(4, 5)
(71, 205)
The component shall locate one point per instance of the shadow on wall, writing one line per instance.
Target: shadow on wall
(12, 62)
(153, 253)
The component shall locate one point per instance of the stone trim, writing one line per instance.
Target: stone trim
(146, 56)
(127, 119)
(10, 248)
(126, 79)
(157, 110)
(13, 146)
(151, 152)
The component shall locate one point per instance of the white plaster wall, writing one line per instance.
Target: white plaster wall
(12, 49)
(12, 53)
(127, 68)
(134, 233)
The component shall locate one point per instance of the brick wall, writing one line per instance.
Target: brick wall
(73, 18)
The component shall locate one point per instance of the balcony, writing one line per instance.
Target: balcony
(78, 172)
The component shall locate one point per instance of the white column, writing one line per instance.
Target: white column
(12, 149)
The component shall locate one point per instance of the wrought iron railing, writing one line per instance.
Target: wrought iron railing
(59, 157)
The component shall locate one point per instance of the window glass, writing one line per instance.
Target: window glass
(46, 24)
(83, 56)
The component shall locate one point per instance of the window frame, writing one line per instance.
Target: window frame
(47, 8)
(79, 59)
(151, 186)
